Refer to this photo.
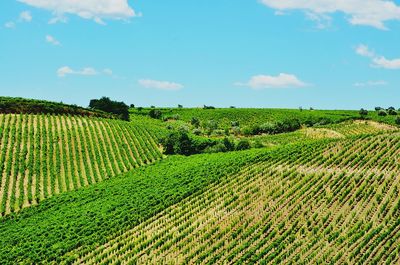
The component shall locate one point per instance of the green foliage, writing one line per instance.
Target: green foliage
(195, 122)
(32, 106)
(87, 217)
(107, 105)
(155, 114)
(243, 144)
(382, 113)
(363, 113)
(44, 155)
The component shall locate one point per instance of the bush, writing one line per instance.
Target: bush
(363, 112)
(243, 144)
(382, 113)
(177, 143)
(218, 148)
(197, 131)
(392, 112)
(397, 121)
(155, 114)
(195, 122)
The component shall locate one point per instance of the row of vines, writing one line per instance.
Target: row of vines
(44, 155)
(315, 204)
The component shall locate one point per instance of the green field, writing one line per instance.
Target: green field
(45, 155)
(87, 190)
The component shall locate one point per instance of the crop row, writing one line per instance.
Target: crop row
(334, 205)
(44, 155)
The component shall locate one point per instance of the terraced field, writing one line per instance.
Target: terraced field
(322, 203)
(44, 155)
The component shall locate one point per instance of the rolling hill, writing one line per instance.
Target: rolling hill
(102, 192)
(44, 155)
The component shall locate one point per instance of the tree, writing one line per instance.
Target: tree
(382, 113)
(363, 113)
(132, 106)
(378, 108)
(177, 143)
(397, 121)
(180, 106)
(155, 114)
(107, 105)
(243, 144)
(392, 112)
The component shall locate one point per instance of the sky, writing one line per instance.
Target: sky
(325, 54)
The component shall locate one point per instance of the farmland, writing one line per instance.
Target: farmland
(45, 155)
(89, 190)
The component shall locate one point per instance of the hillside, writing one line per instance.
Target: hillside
(331, 202)
(33, 106)
(44, 155)
(326, 201)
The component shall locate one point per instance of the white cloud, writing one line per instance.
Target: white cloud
(266, 81)
(363, 50)
(107, 71)
(360, 12)
(52, 40)
(371, 83)
(25, 16)
(9, 25)
(96, 10)
(378, 61)
(66, 70)
(382, 62)
(162, 85)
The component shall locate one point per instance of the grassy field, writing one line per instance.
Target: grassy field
(100, 191)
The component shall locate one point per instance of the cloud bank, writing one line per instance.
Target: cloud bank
(161, 85)
(378, 61)
(359, 12)
(266, 81)
(95, 10)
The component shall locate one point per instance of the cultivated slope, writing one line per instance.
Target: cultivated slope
(323, 203)
(43, 155)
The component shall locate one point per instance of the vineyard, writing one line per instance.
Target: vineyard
(44, 155)
(102, 192)
(332, 202)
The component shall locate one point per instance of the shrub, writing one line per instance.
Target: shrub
(243, 144)
(229, 145)
(363, 112)
(155, 114)
(392, 112)
(382, 113)
(195, 122)
(177, 143)
(397, 121)
(196, 131)
(218, 148)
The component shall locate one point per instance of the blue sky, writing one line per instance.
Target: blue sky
(246, 53)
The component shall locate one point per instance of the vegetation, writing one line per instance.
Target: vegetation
(65, 227)
(44, 155)
(316, 187)
(322, 203)
(120, 109)
(32, 106)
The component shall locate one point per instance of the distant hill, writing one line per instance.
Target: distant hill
(33, 106)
